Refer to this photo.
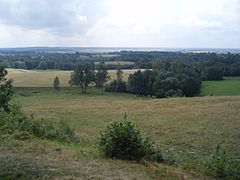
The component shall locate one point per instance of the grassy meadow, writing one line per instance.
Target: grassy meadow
(44, 78)
(185, 129)
(230, 86)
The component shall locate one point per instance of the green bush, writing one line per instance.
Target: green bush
(233, 168)
(22, 127)
(122, 140)
(222, 167)
(15, 120)
(217, 163)
(59, 131)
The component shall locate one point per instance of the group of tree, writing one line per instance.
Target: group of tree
(165, 80)
(179, 79)
(227, 64)
(117, 85)
(84, 75)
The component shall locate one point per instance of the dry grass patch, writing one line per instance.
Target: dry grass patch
(29, 78)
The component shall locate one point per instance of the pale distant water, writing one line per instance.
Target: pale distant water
(115, 49)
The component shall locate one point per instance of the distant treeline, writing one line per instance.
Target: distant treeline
(212, 66)
(228, 64)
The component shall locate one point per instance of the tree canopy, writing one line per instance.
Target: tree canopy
(56, 84)
(6, 90)
(82, 76)
(101, 76)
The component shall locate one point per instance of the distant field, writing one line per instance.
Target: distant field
(116, 62)
(28, 78)
(228, 87)
(44, 78)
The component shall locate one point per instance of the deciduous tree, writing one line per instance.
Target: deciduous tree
(82, 76)
(56, 84)
(102, 76)
(119, 77)
(6, 90)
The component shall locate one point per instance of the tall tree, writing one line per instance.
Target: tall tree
(141, 82)
(102, 76)
(6, 90)
(56, 84)
(82, 76)
(119, 74)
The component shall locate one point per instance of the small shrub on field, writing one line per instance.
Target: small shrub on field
(222, 168)
(217, 163)
(21, 135)
(122, 140)
(233, 168)
(22, 127)
(15, 120)
(59, 131)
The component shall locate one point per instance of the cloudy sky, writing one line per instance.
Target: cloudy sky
(120, 23)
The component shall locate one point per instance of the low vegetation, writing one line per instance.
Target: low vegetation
(23, 127)
(181, 127)
(122, 140)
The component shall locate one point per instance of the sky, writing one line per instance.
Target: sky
(120, 23)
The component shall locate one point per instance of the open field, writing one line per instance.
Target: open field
(118, 62)
(228, 87)
(187, 128)
(28, 78)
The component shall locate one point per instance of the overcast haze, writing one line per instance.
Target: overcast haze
(120, 23)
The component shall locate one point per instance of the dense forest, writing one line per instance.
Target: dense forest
(213, 66)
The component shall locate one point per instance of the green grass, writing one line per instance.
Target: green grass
(186, 128)
(44, 78)
(230, 86)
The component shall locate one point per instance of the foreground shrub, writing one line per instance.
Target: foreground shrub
(217, 163)
(233, 168)
(122, 140)
(59, 131)
(15, 120)
(22, 127)
(222, 167)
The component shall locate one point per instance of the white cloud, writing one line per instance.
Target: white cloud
(172, 23)
(200, 23)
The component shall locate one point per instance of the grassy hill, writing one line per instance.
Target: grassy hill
(187, 129)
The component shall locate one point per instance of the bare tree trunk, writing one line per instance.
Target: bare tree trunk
(116, 87)
(83, 89)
